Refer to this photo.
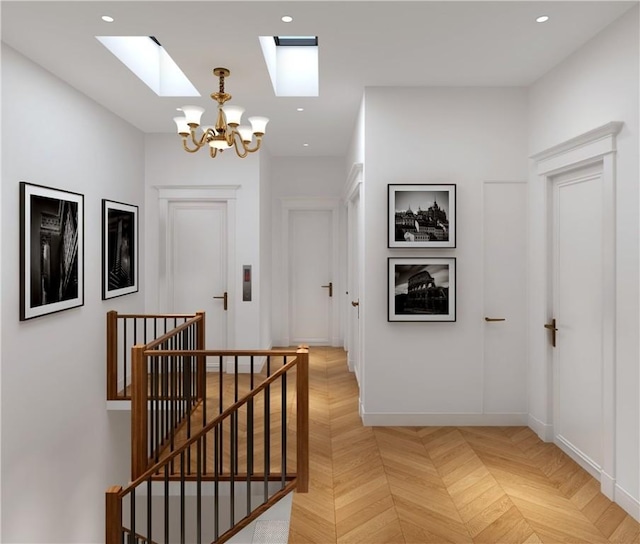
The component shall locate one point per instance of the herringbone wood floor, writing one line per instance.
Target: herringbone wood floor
(439, 484)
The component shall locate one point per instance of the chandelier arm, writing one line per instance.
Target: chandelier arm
(186, 147)
(213, 152)
(252, 149)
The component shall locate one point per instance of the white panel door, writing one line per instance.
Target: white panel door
(311, 266)
(505, 297)
(578, 271)
(198, 264)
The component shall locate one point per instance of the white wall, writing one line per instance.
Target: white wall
(266, 250)
(312, 177)
(167, 164)
(61, 449)
(433, 135)
(598, 84)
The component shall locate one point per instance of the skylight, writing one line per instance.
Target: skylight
(148, 60)
(292, 62)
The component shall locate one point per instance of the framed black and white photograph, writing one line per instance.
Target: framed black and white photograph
(119, 249)
(51, 250)
(422, 215)
(422, 289)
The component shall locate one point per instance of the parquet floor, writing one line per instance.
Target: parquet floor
(438, 485)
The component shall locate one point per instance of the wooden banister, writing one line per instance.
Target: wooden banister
(112, 356)
(113, 515)
(302, 415)
(139, 417)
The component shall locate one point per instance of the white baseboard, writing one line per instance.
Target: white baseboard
(441, 420)
(607, 485)
(543, 430)
(350, 363)
(627, 502)
(579, 457)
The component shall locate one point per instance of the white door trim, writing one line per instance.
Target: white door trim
(586, 149)
(289, 204)
(184, 193)
(354, 187)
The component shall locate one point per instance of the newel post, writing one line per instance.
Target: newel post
(113, 515)
(302, 416)
(201, 360)
(139, 416)
(112, 356)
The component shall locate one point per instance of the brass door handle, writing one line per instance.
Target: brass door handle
(355, 303)
(552, 327)
(224, 298)
(492, 319)
(330, 287)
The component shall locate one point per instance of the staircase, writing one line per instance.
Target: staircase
(211, 451)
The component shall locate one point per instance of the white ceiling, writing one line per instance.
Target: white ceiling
(362, 43)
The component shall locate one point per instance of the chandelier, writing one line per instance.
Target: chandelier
(227, 132)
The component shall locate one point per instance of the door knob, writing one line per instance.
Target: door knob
(224, 299)
(330, 287)
(552, 327)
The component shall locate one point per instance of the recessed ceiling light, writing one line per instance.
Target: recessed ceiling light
(305, 145)
(299, 109)
(542, 19)
(287, 19)
(107, 19)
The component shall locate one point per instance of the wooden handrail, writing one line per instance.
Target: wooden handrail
(221, 352)
(156, 316)
(212, 424)
(173, 332)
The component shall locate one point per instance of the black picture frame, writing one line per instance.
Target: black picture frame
(120, 264)
(421, 289)
(421, 215)
(51, 250)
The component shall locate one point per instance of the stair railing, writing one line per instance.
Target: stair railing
(250, 450)
(127, 330)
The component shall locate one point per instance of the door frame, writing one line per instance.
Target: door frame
(332, 205)
(354, 251)
(168, 194)
(595, 146)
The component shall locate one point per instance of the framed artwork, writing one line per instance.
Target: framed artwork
(119, 249)
(422, 289)
(421, 215)
(51, 250)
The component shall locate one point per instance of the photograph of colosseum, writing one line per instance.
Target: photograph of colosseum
(422, 215)
(422, 289)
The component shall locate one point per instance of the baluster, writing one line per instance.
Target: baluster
(182, 506)
(199, 489)
(283, 462)
(149, 510)
(166, 504)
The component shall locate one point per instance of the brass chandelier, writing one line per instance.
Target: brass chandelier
(227, 132)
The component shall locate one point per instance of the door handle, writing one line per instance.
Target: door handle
(224, 298)
(330, 287)
(552, 327)
(355, 303)
(492, 319)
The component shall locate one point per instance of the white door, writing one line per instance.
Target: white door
(353, 299)
(312, 285)
(505, 297)
(578, 272)
(198, 264)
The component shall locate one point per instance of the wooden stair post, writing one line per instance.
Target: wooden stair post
(139, 416)
(302, 415)
(201, 376)
(113, 515)
(112, 355)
